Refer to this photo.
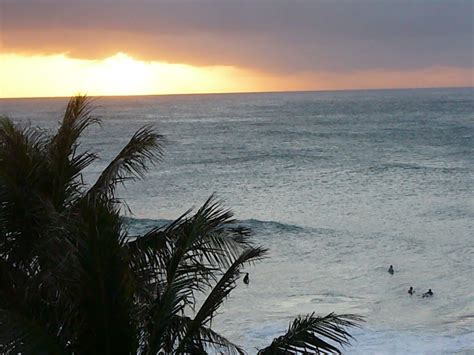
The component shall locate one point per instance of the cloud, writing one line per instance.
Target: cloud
(273, 36)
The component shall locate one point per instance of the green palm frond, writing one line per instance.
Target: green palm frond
(310, 334)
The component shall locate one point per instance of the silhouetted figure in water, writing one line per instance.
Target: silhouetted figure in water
(411, 291)
(428, 294)
(246, 278)
(390, 270)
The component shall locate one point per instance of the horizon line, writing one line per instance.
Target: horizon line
(239, 92)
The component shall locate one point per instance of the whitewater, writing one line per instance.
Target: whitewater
(338, 186)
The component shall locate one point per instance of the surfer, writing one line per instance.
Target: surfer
(428, 294)
(411, 291)
(390, 270)
(246, 278)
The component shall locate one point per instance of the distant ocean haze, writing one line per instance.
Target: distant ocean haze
(338, 185)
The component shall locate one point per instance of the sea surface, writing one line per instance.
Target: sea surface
(338, 186)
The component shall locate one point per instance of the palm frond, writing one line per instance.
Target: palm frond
(103, 283)
(65, 162)
(206, 340)
(208, 236)
(21, 153)
(217, 342)
(24, 178)
(226, 284)
(146, 146)
(28, 315)
(77, 118)
(153, 248)
(219, 293)
(169, 304)
(73, 281)
(23, 335)
(310, 334)
(220, 242)
(185, 257)
(199, 245)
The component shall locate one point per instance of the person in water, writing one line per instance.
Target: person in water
(390, 270)
(411, 291)
(246, 278)
(428, 294)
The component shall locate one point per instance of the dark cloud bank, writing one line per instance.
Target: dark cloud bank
(278, 36)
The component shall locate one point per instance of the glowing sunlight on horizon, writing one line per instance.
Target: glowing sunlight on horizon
(121, 74)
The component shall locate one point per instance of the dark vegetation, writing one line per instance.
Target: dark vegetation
(74, 281)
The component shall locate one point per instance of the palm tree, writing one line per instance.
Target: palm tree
(74, 281)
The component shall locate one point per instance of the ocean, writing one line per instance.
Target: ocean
(338, 186)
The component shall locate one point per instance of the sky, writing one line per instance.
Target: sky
(126, 47)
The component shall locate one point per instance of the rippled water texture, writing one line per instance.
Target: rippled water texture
(338, 185)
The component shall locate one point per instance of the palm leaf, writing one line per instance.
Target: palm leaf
(210, 234)
(103, 283)
(206, 339)
(24, 178)
(310, 334)
(169, 304)
(73, 281)
(28, 315)
(218, 294)
(199, 245)
(65, 162)
(191, 258)
(21, 334)
(146, 146)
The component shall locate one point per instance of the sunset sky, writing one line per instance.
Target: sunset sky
(133, 47)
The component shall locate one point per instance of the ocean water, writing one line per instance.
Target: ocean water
(338, 186)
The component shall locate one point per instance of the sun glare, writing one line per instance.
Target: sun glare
(59, 75)
(121, 75)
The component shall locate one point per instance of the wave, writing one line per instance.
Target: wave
(382, 168)
(256, 224)
(139, 226)
(261, 158)
(142, 225)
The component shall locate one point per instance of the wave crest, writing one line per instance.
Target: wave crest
(142, 225)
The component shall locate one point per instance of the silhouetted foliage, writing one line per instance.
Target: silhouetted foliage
(72, 279)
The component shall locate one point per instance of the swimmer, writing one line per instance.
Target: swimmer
(390, 270)
(411, 291)
(428, 294)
